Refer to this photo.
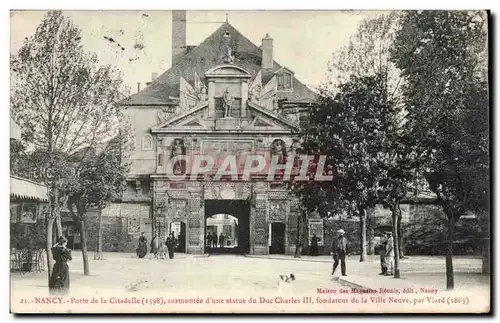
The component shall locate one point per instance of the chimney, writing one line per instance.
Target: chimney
(138, 87)
(267, 52)
(178, 33)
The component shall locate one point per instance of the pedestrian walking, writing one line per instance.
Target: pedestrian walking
(314, 245)
(214, 240)
(381, 250)
(162, 251)
(155, 246)
(389, 255)
(208, 242)
(171, 242)
(221, 240)
(339, 251)
(59, 279)
(142, 248)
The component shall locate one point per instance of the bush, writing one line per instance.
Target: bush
(428, 236)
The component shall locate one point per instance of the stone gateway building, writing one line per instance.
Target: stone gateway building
(226, 96)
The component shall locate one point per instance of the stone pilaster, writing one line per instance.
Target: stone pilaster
(195, 225)
(244, 98)
(259, 226)
(292, 225)
(211, 99)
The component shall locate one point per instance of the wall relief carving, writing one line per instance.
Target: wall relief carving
(277, 210)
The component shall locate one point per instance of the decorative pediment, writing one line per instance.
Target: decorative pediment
(261, 122)
(227, 71)
(194, 123)
(192, 118)
(195, 120)
(266, 119)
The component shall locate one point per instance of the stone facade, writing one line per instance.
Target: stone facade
(224, 97)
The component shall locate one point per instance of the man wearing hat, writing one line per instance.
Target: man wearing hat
(389, 255)
(339, 250)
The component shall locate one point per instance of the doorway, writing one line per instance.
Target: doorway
(277, 238)
(227, 226)
(179, 231)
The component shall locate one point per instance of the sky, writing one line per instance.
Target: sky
(303, 40)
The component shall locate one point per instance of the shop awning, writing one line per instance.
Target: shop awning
(24, 188)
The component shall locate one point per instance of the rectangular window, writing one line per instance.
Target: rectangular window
(284, 81)
(287, 81)
(280, 82)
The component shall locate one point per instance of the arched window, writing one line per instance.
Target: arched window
(278, 148)
(147, 142)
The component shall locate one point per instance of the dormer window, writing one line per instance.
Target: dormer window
(285, 79)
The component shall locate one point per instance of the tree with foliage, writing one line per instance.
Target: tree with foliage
(313, 200)
(441, 58)
(100, 179)
(348, 128)
(368, 54)
(397, 168)
(63, 99)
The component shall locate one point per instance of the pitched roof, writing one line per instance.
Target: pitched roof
(205, 56)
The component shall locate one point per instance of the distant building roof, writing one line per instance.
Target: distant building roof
(206, 56)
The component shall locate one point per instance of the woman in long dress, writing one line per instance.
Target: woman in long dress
(59, 280)
(155, 246)
(142, 249)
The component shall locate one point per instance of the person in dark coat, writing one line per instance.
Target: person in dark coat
(171, 245)
(142, 249)
(314, 245)
(381, 250)
(339, 251)
(209, 240)
(59, 280)
(221, 240)
(214, 240)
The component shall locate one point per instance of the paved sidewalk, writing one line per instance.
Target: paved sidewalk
(415, 272)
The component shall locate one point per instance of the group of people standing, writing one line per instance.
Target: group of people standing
(385, 248)
(158, 247)
(212, 240)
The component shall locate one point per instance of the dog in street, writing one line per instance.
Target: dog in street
(287, 278)
(285, 281)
